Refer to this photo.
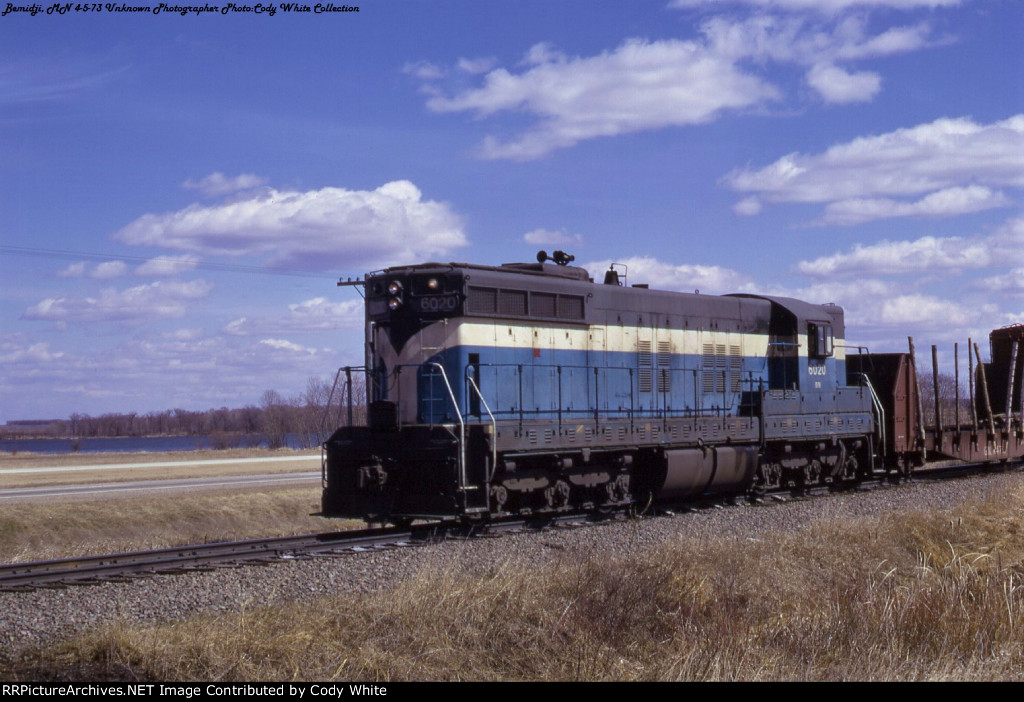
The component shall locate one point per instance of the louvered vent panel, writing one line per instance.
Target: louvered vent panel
(664, 364)
(542, 304)
(512, 302)
(715, 363)
(482, 300)
(570, 307)
(645, 362)
(735, 368)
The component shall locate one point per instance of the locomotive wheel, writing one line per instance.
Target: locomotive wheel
(558, 495)
(812, 473)
(499, 495)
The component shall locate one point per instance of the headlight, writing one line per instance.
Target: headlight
(433, 284)
(394, 303)
(394, 288)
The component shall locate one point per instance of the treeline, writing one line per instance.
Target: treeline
(309, 416)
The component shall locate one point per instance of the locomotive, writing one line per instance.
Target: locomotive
(530, 389)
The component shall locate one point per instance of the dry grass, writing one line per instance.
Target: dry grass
(81, 525)
(37, 531)
(106, 473)
(27, 459)
(909, 597)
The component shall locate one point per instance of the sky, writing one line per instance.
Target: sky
(179, 193)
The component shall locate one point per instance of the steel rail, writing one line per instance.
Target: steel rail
(98, 568)
(196, 557)
(86, 570)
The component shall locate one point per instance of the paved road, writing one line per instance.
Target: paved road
(139, 486)
(157, 464)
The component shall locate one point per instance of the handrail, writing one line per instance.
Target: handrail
(494, 426)
(877, 403)
(462, 427)
(730, 394)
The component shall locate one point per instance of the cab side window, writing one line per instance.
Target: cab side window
(819, 339)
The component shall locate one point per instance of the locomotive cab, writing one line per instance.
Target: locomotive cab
(805, 351)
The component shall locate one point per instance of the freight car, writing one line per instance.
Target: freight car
(530, 389)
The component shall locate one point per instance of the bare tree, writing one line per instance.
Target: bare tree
(309, 410)
(947, 399)
(274, 420)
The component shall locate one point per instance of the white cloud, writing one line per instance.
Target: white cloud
(927, 254)
(640, 85)
(839, 86)
(644, 85)
(881, 314)
(931, 312)
(109, 270)
(159, 300)
(75, 270)
(803, 41)
(943, 203)
(1010, 237)
(317, 229)
(859, 298)
(424, 70)
(476, 66)
(167, 265)
(316, 314)
(237, 327)
(183, 334)
(952, 164)
(1002, 248)
(747, 206)
(321, 314)
(924, 295)
(662, 275)
(158, 370)
(1011, 283)
(285, 345)
(217, 184)
(843, 292)
(18, 349)
(550, 237)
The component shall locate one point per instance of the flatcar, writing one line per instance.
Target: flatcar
(531, 389)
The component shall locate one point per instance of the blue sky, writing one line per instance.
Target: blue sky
(179, 194)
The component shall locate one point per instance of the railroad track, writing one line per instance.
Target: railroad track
(114, 567)
(120, 567)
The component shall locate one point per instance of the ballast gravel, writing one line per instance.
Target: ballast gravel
(43, 617)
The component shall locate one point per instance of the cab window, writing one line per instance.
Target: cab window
(819, 339)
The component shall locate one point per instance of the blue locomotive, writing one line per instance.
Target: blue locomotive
(529, 388)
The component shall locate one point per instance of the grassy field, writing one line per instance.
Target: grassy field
(40, 530)
(935, 596)
(82, 525)
(103, 473)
